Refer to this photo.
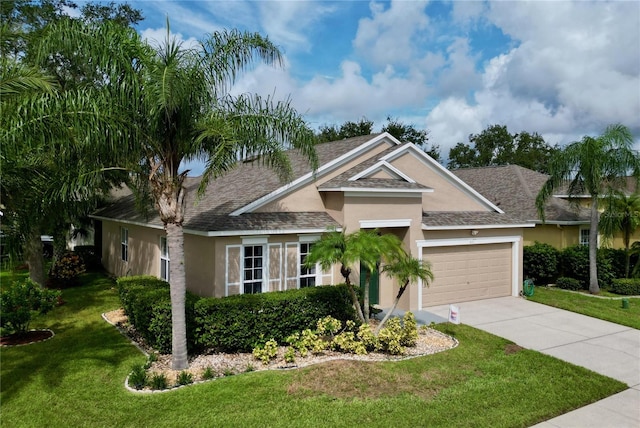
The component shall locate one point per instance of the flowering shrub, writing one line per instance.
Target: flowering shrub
(390, 337)
(267, 352)
(409, 330)
(66, 270)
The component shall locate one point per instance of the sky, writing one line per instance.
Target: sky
(563, 69)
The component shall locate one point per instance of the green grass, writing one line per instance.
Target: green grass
(76, 379)
(606, 309)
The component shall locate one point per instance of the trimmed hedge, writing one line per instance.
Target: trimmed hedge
(568, 284)
(626, 287)
(147, 302)
(574, 262)
(540, 262)
(240, 323)
(230, 324)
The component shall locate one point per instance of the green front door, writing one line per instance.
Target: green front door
(374, 285)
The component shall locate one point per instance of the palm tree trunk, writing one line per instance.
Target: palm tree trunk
(175, 242)
(594, 288)
(35, 258)
(393, 308)
(365, 303)
(346, 272)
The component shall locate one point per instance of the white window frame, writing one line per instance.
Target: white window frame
(263, 267)
(311, 272)
(581, 233)
(164, 258)
(124, 244)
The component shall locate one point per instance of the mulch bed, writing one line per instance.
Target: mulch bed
(31, 336)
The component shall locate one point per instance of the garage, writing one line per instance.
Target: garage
(469, 270)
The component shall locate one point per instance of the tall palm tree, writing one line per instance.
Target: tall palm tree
(406, 270)
(594, 166)
(621, 214)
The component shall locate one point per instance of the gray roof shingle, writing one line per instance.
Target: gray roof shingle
(514, 189)
(468, 218)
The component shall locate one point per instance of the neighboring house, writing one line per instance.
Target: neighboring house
(250, 233)
(514, 189)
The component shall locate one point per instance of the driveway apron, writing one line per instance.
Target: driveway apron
(604, 347)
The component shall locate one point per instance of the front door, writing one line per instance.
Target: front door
(374, 284)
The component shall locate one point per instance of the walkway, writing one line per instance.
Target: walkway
(604, 347)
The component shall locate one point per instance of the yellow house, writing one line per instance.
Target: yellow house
(250, 232)
(514, 189)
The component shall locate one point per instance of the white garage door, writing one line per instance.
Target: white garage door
(468, 272)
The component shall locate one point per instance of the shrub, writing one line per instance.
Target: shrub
(575, 264)
(390, 337)
(138, 376)
(89, 256)
(208, 373)
(21, 302)
(568, 284)
(66, 270)
(540, 262)
(266, 352)
(158, 381)
(147, 302)
(184, 378)
(237, 323)
(626, 287)
(409, 330)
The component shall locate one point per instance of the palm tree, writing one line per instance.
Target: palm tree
(331, 249)
(621, 214)
(368, 247)
(406, 270)
(594, 166)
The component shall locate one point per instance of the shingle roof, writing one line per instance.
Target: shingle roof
(467, 218)
(514, 189)
(242, 185)
(372, 183)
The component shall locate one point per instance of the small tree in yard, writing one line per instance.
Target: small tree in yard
(406, 270)
(621, 214)
(21, 301)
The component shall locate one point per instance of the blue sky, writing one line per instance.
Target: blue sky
(563, 69)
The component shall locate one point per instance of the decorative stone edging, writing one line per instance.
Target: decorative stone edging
(35, 341)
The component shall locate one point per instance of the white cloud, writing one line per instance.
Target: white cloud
(157, 36)
(389, 36)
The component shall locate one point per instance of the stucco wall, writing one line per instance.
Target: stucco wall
(144, 250)
(558, 236)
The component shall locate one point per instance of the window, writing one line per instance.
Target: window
(253, 269)
(124, 244)
(584, 236)
(164, 259)
(307, 275)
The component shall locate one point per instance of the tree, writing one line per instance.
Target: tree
(595, 166)
(331, 249)
(409, 134)
(496, 146)
(347, 130)
(621, 214)
(368, 247)
(406, 270)
(51, 99)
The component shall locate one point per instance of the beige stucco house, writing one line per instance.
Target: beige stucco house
(250, 232)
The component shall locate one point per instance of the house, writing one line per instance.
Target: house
(514, 189)
(250, 232)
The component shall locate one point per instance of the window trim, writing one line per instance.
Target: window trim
(124, 244)
(580, 233)
(263, 268)
(315, 269)
(165, 258)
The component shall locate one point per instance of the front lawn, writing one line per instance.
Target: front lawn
(606, 309)
(76, 379)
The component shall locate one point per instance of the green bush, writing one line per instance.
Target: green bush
(626, 287)
(240, 323)
(66, 271)
(184, 378)
(138, 376)
(540, 263)
(21, 302)
(574, 262)
(158, 381)
(146, 301)
(569, 284)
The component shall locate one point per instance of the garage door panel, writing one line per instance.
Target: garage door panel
(468, 272)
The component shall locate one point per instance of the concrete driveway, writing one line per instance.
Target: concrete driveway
(604, 347)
